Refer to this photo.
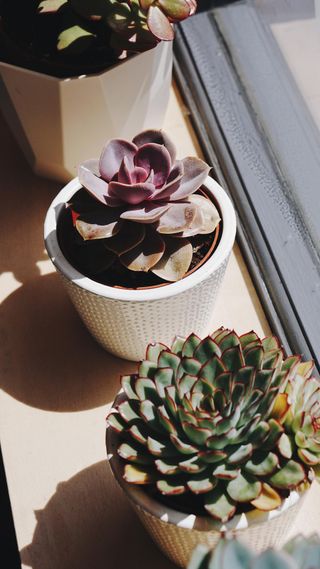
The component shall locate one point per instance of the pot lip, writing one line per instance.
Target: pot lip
(164, 513)
(84, 76)
(212, 264)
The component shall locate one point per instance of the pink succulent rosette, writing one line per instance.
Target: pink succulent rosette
(150, 206)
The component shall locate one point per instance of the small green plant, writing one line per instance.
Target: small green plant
(142, 204)
(136, 25)
(228, 419)
(298, 553)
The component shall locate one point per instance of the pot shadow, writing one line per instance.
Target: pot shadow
(88, 522)
(25, 199)
(48, 358)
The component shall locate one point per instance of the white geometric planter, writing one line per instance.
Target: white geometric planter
(177, 533)
(60, 122)
(125, 321)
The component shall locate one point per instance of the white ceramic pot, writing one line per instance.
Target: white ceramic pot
(60, 122)
(177, 533)
(125, 321)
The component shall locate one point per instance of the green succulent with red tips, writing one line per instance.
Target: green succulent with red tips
(216, 418)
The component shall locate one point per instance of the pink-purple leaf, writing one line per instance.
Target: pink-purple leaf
(88, 173)
(157, 137)
(103, 230)
(172, 183)
(209, 213)
(145, 255)
(177, 218)
(195, 174)
(124, 172)
(129, 237)
(139, 175)
(175, 261)
(113, 154)
(145, 213)
(159, 24)
(133, 194)
(154, 157)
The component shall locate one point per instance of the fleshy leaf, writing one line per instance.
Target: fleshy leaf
(132, 453)
(210, 214)
(289, 476)
(195, 174)
(175, 261)
(90, 231)
(145, 255)
(157, 137)
(129, 237)
(171, 487)
(244, 488)
(219, 505)
(159, 24)
(190, 345)
(133, 194)
(262, 464)
(88, 173)
(75, 39)
(156, 158)
(177, 218)
(113, 154)
(268, 500)
(145, 213)
(206, 350)
(137, 474)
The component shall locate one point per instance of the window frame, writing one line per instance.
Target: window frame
(277, 242)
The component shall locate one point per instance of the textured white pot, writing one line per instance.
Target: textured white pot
(125, 321)
(177, 533)
(60, 122)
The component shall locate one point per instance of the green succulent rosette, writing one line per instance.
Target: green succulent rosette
(299, 553)
(228, 418)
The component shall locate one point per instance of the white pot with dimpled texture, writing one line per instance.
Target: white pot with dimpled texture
(58, 123)
(125, 321)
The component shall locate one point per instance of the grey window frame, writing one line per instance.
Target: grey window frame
(239, 121)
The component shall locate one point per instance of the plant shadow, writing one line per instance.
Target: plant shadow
(88, 522)
(49, 360)
(25, 198)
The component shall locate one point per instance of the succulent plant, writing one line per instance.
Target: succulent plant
(299, 553)
(215, 418)
(145, 207)
(136, 25)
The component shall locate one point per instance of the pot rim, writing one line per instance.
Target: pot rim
(83, 76)
(164, 513)
(212, 264)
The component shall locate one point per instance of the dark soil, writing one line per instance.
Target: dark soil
(92, 259)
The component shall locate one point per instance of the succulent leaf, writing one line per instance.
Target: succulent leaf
(299, 553)
(215, 427)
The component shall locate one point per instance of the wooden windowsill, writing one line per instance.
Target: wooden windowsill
(57, 385)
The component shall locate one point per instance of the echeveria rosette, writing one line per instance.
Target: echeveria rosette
(150, 207)
(302, 398)
(299, 553)
(203, 418)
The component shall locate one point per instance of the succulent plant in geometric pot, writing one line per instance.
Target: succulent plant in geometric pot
(76, 72)
(142, 240)
(299, 553)
(216, 435)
